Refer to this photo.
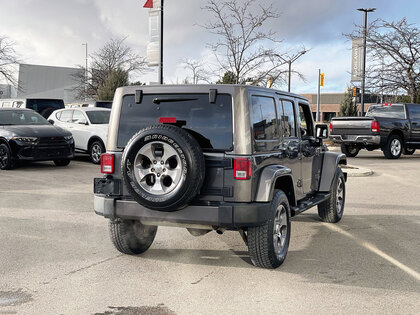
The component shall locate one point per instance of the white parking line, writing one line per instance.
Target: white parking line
(375, 250)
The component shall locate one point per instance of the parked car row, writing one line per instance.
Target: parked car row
(25, 135)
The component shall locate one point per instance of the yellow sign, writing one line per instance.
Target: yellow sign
(321, 80)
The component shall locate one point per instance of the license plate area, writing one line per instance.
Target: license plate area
(107, 186)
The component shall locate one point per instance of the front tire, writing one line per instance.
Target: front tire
(349, 150)
(130, 236)
(332, 209)
(393, 147)
(95, 151)
(6, 160)
(409, 151)
(268, 243)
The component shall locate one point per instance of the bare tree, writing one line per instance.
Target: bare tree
(243, 45)
(114, 56)
(393, 56)
(197, 70)
(8, 58)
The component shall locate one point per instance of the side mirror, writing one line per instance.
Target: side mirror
(321, 131)
(51, 121)
(82, 122)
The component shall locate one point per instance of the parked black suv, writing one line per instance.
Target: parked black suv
(215, 157)
(27, 136)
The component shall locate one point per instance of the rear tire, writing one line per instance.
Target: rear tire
(393, 148)
(95, 151)
(409, 151)
(7, 162)
(130, 236)
(349, 150)
(268, 243)
(62, 162)
(332, 209)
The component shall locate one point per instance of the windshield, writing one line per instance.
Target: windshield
(21, 117)
(98, 117)
(386, 111)
(41, 104)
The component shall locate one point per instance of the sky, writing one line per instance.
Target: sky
(51, 32)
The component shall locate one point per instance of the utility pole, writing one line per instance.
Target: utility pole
(86, 70)
(362, 100)
(161, 44)
(290, 74)
(319, 95)
(289, 62)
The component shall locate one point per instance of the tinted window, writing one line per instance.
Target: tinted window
(210, 124)
(394, 111)
(288, 119)
(306, 120)
(98, 117)
(414, 111)
(40, 104)
(263, 118)
(66, 116)
(20, 117)
(103, 104)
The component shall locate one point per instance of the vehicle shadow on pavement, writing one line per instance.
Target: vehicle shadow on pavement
(374, 251)
(222, 258)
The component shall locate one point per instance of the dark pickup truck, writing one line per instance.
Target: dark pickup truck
(393, 128)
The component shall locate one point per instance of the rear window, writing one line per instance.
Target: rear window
(98, 117)
(39, 105)
(210, 124)
(386, 111)
(103, 104)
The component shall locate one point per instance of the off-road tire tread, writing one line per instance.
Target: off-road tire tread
(198, 179)
(326, 209)
(259, 240)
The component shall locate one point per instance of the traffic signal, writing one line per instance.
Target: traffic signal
(321, 79)
(356, 91)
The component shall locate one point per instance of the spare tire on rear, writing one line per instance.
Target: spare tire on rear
(163, 167)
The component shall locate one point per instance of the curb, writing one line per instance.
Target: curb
(353, 171)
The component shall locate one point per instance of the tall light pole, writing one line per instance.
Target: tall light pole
(362, 100)
(86, 70)
(289, 62)
(161, 44)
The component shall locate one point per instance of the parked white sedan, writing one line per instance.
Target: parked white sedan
(89, 126)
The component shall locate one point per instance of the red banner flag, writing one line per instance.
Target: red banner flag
(148, 4)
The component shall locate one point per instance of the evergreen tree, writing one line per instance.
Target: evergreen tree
(114, 80)
(347, 106)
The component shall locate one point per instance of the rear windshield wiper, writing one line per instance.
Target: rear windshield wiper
(159, 100)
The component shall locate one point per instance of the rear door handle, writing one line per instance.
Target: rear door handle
(414, 123)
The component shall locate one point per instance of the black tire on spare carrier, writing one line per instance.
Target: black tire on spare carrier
(163, 167)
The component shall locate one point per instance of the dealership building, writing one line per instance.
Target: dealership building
(37, 81)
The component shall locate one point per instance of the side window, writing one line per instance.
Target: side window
(263, 118)
(306, 124)
(78, 117)
(287, 119)
(58, 115)
(414, 111)
(66, 116)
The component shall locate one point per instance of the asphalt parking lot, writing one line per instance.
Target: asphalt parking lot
(56, 256)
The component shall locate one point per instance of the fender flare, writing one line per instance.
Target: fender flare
(267, 183)
(330, 163)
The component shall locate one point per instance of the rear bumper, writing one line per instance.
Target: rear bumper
(356, 139)
(227, 215)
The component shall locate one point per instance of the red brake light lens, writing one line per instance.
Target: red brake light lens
(375, 126)
(167, 120)
(241, 168)
(331, 126)
(107, 163)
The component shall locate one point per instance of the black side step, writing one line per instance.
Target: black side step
(309, 202)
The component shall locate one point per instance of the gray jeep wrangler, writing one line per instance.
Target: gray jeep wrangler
(215, 157)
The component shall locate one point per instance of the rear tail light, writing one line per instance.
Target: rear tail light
(107, 163)
(375, 126)
(167, 120)
(331, 126)
(241, 168)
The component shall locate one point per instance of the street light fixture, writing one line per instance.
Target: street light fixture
(290, 61)
(362, 100)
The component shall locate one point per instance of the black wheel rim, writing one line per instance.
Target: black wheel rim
(4, 157)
